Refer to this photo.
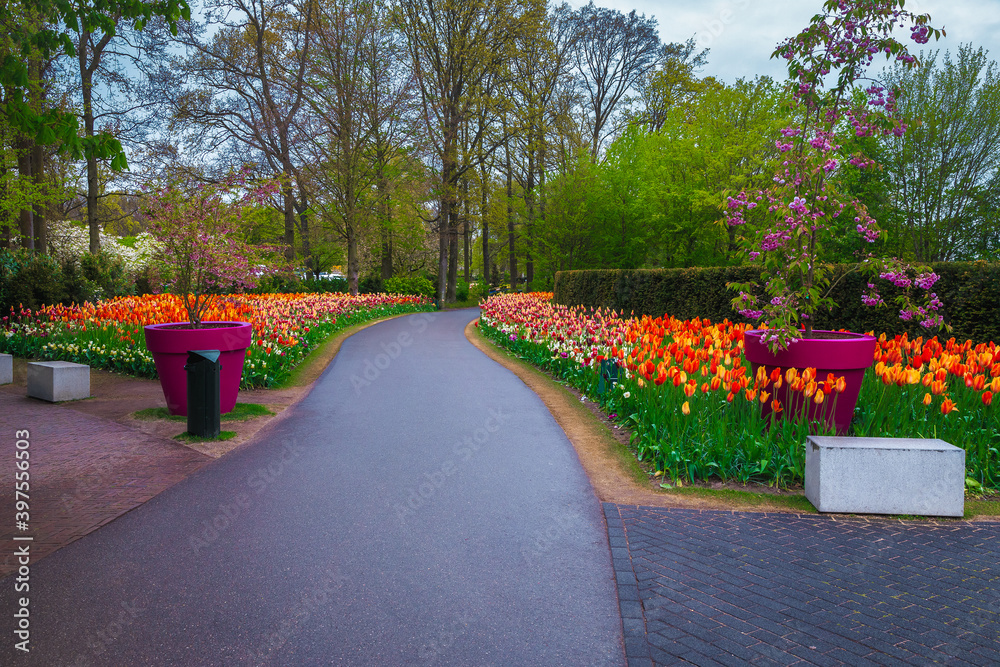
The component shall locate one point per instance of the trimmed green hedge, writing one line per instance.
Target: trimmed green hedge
(969, 291)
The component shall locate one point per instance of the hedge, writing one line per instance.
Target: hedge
(969, 291)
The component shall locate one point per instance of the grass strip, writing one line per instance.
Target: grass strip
(242, 412)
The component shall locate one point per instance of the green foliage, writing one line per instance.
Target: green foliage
(29, 280)
(942, 175)
(108, 274)
(417, 285)
(657, 198)
(32, 281)
(46, 27)
(371, 285)
(967, 289)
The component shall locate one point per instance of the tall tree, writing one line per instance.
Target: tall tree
(357, 98)
(943, 170)
(458, 48)
(45, 27)
(614, 55)
(247, 66)
(541, 68)
(672, 83)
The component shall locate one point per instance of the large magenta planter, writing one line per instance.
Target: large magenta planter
(170, 343)
(843, 354)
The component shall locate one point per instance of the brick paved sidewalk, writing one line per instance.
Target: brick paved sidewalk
(85, 472)
(737, 588)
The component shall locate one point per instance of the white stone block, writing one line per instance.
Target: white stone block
(58, 380)
(6, 369)
(885, 476)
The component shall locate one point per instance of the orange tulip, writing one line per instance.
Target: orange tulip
(776, 406)
(686, 408)
(763, 397)
(987, 397)
(819, 396)
(947, 406)
(927, 399)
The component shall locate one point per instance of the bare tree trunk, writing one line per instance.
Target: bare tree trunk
(453, 254)
(38, 175)
(86, 85)
(25, 219)
(383, 190)
(443, 216)
(353, 263)
(467, 248)
(529, 196)
(289, 212)
(485, 232)
(386, 252)
(512, 261)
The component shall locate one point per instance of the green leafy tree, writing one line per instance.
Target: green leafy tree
(44, 27)
(942, 174)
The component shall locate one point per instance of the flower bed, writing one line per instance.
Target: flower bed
(693, 404)
(109, 334)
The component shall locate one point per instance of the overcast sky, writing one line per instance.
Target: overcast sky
(741, 34)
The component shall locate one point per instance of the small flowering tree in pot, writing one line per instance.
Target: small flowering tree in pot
(803, 211)
(202, 255)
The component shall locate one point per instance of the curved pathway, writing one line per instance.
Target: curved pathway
(420, 506)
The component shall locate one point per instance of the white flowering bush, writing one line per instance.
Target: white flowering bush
(71, 240)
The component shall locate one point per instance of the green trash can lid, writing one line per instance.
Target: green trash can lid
(211, 355)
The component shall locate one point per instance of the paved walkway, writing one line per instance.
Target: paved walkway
(85, 471)
(739, 588)
(421, 506)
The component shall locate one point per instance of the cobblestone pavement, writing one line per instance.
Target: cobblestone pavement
(737, 588)
(85, 472)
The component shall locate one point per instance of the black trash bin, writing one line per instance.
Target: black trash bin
(203, 404)
(608, 377)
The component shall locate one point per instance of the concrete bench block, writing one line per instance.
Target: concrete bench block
(6, 369)
(58, 380)
(885, 476)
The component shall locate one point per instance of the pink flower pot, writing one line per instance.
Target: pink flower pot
(843, 354)
(170, 343)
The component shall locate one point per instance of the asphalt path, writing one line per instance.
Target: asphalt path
(420, 506)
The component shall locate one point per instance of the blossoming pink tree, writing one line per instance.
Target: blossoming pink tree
(833, 98)
(199, 227)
